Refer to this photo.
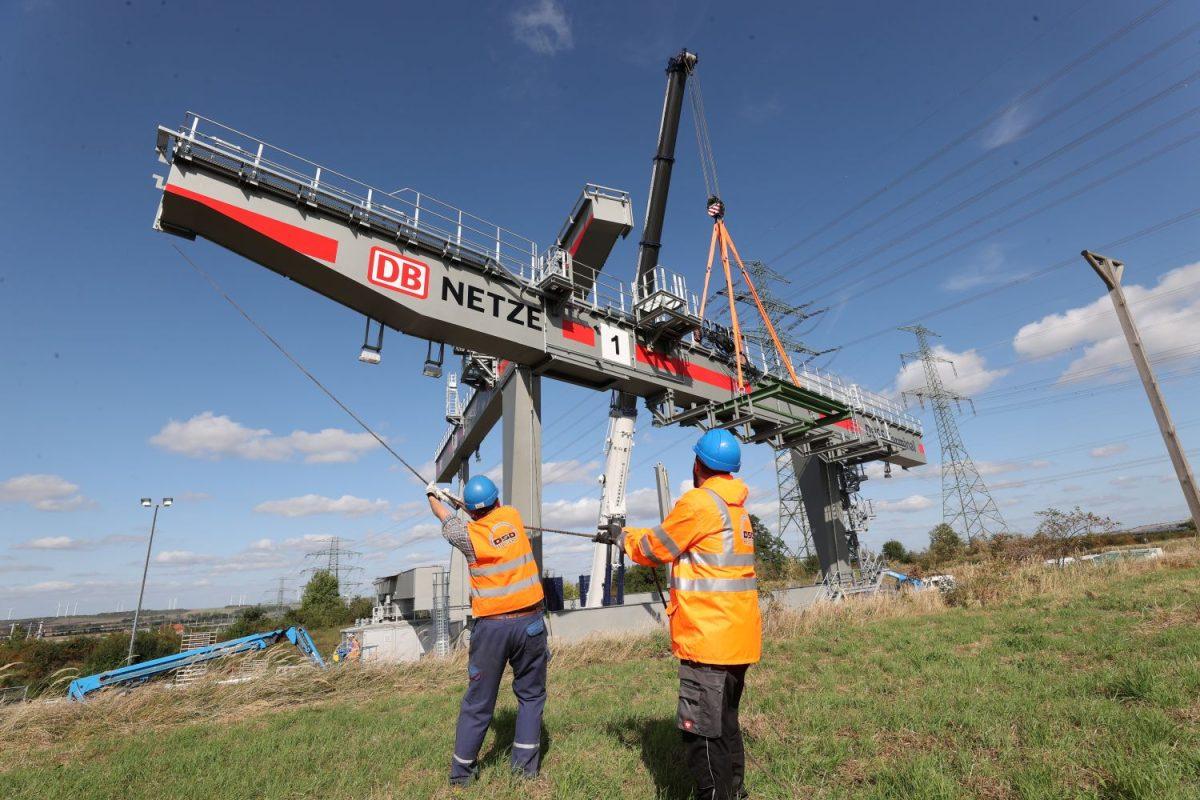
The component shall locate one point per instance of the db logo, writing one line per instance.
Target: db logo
(747, 532)
(398, 273)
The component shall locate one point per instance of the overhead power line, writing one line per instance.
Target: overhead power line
(893, 275)
(1086, 55)
(1087, 136)
(1142, 233)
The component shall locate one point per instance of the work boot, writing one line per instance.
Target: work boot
(466, 780)
(520, 773)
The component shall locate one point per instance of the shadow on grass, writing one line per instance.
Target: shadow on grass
(505, 724)
(662, 753)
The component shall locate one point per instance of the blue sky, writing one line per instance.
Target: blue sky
(125, 376)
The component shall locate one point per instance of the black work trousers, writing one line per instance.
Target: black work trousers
(709, 696)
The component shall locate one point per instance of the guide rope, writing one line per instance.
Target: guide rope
(217, 288)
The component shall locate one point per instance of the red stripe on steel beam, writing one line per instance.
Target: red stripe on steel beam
(584, 334)
(681, 368)
(302, 241)
(582, 233)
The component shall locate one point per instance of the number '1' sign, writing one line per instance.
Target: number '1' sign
(614, 345)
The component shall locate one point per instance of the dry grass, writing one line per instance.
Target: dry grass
(60, 731)
(289, 681)
(785, 623)
(990, 582)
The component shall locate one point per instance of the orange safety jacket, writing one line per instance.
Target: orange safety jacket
(714, 592)
(504, 576)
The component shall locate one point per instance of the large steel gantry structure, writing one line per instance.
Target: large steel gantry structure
(518, 313)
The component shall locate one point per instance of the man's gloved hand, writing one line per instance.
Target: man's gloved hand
(435, 491)
(610, 533)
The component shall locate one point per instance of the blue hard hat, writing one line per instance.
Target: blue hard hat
(718, 449)
(480, 493)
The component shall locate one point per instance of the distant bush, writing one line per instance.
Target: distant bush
(895, 551)
(38, 660)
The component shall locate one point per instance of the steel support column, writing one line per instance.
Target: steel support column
(823, 504)
(522, 411)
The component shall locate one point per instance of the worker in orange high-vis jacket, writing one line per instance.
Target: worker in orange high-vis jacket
(716, 628)
(506, 603)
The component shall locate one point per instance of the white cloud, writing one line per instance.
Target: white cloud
(580, 513)
(182, 558)
(207, 435)
(307, 542)
(909, 505)
(50, 586)
(875, 471)
(427, 469)
(311, 504)
(52, 543)
(7, 568)
(573, 471)
(1011, 126)
(1167, 316)
(969, 374)
(1109, 450)
(43, 492)
(543, 27)
(988, 468)
(990, 267)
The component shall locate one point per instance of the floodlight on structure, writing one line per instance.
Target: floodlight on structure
(146, 502)
(372, 353)
(168, 502)
(433, 366)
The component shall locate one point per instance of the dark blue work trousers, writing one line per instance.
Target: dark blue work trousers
(496, 642)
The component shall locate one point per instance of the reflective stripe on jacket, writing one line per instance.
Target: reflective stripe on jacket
(714, 593)
(504, 576)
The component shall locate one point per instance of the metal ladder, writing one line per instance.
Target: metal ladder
(194, 672)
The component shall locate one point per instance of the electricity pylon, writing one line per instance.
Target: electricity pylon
(792, 518)
(793, 523)
(335, 555)
(967, 506)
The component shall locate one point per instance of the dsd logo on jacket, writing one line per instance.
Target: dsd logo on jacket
(747, 531)
(398, 273)
(503, 535)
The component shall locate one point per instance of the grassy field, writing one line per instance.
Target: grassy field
(1037, 683)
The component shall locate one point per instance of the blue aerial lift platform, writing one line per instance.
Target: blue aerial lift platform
(135, 674)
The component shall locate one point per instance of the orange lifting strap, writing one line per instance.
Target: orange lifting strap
(720, 236)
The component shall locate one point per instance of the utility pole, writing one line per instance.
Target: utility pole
(1110, 271)
(967, 505)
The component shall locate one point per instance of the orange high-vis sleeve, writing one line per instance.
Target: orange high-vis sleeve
(686, 523)
(708, 536)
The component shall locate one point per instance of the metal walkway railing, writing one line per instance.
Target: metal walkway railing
(408, 213)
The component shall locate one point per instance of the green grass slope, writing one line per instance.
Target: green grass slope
(1082, 684)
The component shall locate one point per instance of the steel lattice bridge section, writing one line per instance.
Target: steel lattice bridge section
(427, 269)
